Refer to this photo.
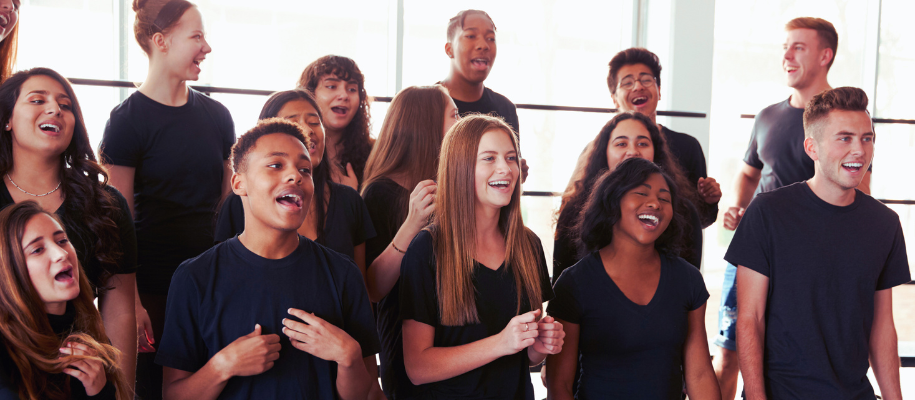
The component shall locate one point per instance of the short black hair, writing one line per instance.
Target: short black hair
(602, 210)
(457, 22)
(632, 56)
(264, 127)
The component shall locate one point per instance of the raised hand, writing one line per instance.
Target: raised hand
(732, 217)
(422, 203)
(520, 332)
(252, 354)
(91, 372)
(144, 331)
(321, 339)
(709, 190)
(550, 336)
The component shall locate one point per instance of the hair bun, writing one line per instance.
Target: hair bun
(138, 5)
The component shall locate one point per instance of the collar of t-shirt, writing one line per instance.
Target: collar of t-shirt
(831, 207)
(238, 249)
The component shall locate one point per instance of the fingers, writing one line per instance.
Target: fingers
(349, 170)
(309, 318)
(82, 376)
(257, 331)
(741, 211)
(530, 316)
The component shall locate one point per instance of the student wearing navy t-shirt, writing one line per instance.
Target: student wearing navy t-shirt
(816, 303)
(632, 309)
(473, 283)
(269, 314)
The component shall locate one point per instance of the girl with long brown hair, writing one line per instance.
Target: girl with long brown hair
(48, 325)
(404, 158)
(473, 283)
(9, 36)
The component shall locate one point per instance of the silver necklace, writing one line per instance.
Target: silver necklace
(32, 194)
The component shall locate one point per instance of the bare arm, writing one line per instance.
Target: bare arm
(226, 182)
(122, 179)
(425, 363)
(884, 352)
(375, 393)
(751, 329)
(865, 185)
(385, 270)
(359, 259)
(701, 382)
(560, 368)
(746, 182)
(248, 355)
(117, 308)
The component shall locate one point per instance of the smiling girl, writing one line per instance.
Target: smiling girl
(166, 147)
(473, 283)
(9, 36)
(50, 327)
(633, 311)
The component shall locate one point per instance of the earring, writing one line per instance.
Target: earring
(7, 127)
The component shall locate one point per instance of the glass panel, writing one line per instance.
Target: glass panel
(896, 61)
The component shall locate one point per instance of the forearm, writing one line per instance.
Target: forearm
(436, 364)
(701, 383)
(375, 392)
(750, 339)
(535, 356)
(883, 346)
(385, 270)
(353, 380)
(119, 317)
(708, 213)
(745, 187)
(205, 384)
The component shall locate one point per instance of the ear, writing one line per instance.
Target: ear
(239, 185)
(810, 147)
(616, 104)
(159, 42)
(827, 56)
(448, 50)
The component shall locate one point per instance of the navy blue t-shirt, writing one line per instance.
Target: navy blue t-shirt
(346, 223)
(777, 147)
(627, 350)
(496, 300)
(824, 264)
(220, 295)
(179, 155)
(491, 103)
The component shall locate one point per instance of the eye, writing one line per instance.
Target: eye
(275, 166)
(488, 158)
(37, 250)
(63, 241)
(36, 101)
(868, 139)
(353, 90)
(66, 107)
(305, 171)
(331, 87)
(471, 36)
(512, 158)
(664, 199)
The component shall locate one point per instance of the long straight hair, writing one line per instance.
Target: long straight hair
(8, 50)
(24, 325)
(454, 227)
(410, 140)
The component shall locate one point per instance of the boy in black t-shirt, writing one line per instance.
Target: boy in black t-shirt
(816, 264)
(271, 280)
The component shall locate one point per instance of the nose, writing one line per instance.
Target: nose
(206, 47)
(293, 175)
(789, 53)
(653, 202)
(482, 43)
(57, 253)
(53, 108)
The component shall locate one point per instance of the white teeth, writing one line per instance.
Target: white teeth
(853, 165)
(649, 217)
(494, 183)
(290, 196)
(49, 126)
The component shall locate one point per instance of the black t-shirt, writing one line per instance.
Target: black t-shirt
(628, 350)
(346, 222)
(178, 153)
(777, 147)
(688, 153)
(491, 103)
(505, 378)
(220, 295)
(84, 240)
(62, 325)
(824, 265)
(382, 198)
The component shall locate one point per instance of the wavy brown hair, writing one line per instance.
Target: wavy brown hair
(26, 331)
(83, 180)
(410, 140)
(454, 226)
(8, 49)
(357, 141)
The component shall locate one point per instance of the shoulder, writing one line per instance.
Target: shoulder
(496, 97)
(344, 194)
(882, 213)
(583, 267)
(779, 197)
(202, 265)
(680, 138)
(208, 102)
(776, 110)
(682, 267)
(381, 189)
(336, 262)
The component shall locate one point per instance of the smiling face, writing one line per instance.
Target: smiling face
(9, 17)
(637, 90)
(276, 184)
(187, 46)
(645, 212)
(304, 114)
(844, 148)
(804, 60)
(51, 261)
(497, 170)
(630, 139)
(339, 101)
(42, 120)
(473, 49)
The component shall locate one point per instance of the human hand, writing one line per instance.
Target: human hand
(347, 177)
(524, 169)
(145, 337)
(91, 372)
(520, 332)
(550, 336)
(732, 217)
(422, 204)
(252, 354)
(709, 190)
(321, 339)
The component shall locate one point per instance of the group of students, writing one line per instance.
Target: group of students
(332, 247)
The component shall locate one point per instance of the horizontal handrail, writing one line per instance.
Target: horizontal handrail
(876, 120)
(382, 99)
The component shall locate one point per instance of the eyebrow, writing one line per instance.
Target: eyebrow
(641, 74)
(40, 238)
(847, 133)
(46, 93)
(627, 137)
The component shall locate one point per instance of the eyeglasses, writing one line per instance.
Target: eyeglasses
(646, 80)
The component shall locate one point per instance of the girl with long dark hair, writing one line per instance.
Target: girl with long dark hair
(633, 312)
(45, 156)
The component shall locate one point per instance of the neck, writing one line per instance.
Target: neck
(163, 87)
(625, 254)
(487, 223)
(266, 241)
(332, 138)
(830, 192)
(462, 89)
(56, 308)
(802, 96)
(34, 170)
